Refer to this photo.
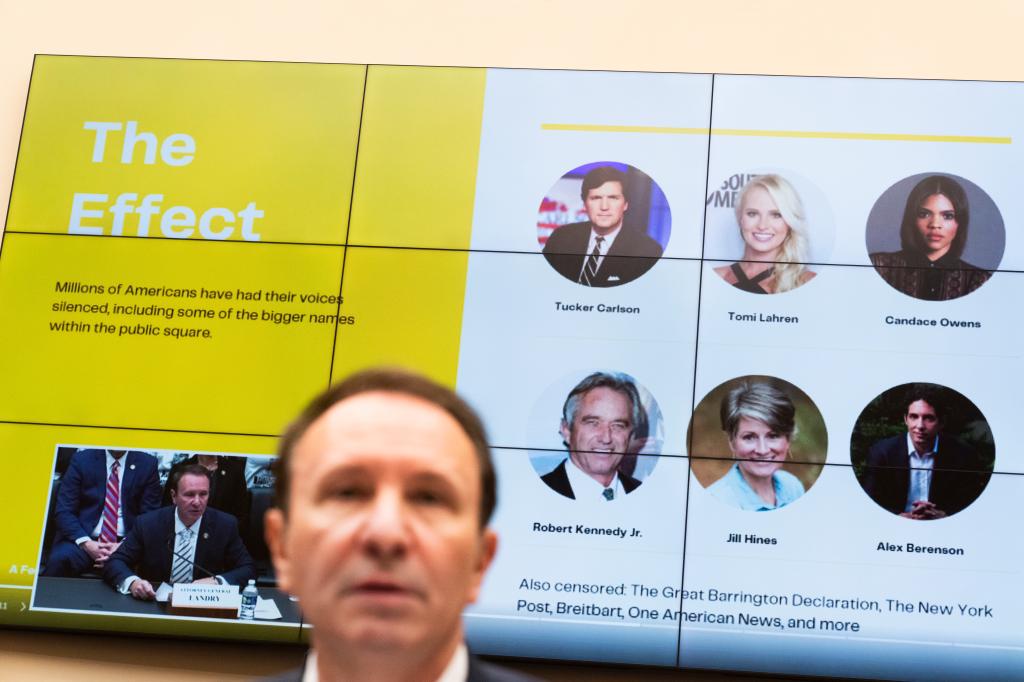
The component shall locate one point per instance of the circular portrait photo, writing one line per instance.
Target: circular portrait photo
(757, 443)
(922, 451)
(603, 224)
(772, 225)
(935, 236)
(601, 435)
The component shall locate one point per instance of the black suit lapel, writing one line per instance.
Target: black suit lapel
(206, 531)
(127, 478)
(168, 544)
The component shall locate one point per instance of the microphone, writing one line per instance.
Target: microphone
(170, 546)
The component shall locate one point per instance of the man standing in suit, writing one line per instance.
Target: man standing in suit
(601, 252)
(385, 487)
(183, 543)
(602, 419)
(100, 496)
(924, 473)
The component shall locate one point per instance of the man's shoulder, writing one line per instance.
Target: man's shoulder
(558, 480)
(638, 242)
(154, 518)
(141, 459)
(482, 671)
(87, 457)
(219, 522)
(629, 484)
(952, 447)
(888, 446)
(557, 472)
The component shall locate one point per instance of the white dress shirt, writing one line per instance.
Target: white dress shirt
(921, 467)
(120, 507)
(586, 488)
(457, 669)
(606, 244)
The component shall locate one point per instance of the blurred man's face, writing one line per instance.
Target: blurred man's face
(382, 541)
(600, 433)
(606, 205)
(191, 497)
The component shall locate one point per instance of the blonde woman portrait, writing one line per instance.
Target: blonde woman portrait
(772, 223)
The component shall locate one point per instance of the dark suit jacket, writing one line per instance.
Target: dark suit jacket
(558, 480)
(632, 254)
(479, 671)
(957, 479)
(83, 490)
(146, 551)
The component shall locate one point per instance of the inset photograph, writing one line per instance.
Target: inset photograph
(935, 236)
(596, 425)
(757, 443)
(774, 225)
(922, 451)
(128, 530)
(604, 224)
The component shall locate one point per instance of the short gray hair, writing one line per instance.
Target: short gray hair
(760, 401)
(616, 381)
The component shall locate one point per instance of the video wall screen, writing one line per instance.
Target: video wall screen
(745, 345)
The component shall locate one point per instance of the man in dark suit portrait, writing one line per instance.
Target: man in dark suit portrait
(602, 421)
(183, 543)
(100, 496)
(923, 473)
(385, 487)
(601, 252)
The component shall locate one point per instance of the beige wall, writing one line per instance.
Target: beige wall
(919, 38)
(916, 38)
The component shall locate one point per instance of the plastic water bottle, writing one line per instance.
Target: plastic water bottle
(249, 596)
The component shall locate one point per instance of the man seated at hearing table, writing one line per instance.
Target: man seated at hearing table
(182, 543)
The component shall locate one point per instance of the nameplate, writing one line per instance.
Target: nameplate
(192, 596)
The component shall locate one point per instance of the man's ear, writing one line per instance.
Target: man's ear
(565, 431)
(488, 548)
(274, 529)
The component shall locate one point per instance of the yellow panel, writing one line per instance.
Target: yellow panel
(248, 376)
(279, 136)
(416, 176)
(408, 308)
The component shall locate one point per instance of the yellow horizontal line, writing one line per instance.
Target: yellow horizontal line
(594, 128)
(805, 134)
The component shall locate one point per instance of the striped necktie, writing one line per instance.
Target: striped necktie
(108, 532)
(590, 269)
(181, 571)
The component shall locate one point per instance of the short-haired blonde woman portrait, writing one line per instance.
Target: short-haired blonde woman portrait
(757, 443)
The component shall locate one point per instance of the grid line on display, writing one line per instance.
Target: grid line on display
(509, 252)
(348, 226)
(693, 378)
(17, 153)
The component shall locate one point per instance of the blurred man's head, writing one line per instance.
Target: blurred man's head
(385, 487)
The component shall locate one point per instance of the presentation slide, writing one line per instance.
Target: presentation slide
(742, 344)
